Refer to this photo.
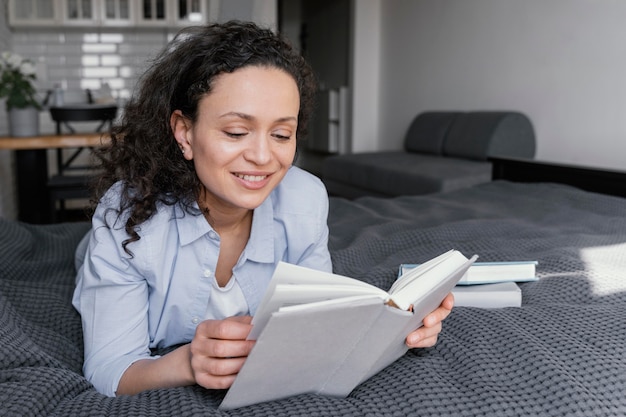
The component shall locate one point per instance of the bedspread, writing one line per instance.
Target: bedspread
(563, 353)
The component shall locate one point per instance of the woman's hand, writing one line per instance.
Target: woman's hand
(212, 359)
(218, 351)
(426, 336)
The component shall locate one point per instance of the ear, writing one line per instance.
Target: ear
(182, 129)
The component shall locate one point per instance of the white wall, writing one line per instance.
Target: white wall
(562, 62)
(365, 74)
(263, 12)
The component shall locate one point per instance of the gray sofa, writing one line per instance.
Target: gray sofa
(443, 151)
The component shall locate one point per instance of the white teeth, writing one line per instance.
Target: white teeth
(252, 178)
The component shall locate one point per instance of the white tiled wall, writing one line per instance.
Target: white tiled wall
(81, 59)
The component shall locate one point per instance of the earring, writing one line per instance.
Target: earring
(183, 151)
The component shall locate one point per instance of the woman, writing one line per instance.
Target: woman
(197, 203)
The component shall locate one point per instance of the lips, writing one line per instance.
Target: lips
(252, 181)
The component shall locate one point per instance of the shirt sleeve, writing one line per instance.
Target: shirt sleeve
(111, 296)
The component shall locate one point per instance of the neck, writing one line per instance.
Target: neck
(229, 222)
(225, 219)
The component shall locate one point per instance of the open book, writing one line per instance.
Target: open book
(324, 333)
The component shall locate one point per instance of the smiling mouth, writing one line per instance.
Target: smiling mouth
(251, 178)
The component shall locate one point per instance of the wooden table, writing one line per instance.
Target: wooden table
(31, 166)
(54, 141)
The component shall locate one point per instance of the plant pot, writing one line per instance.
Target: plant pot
(24, 122)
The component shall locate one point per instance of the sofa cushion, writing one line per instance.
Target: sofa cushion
(427, 132)
(479, 135)
(398, 173)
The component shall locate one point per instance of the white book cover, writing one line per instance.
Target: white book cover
(498, 295)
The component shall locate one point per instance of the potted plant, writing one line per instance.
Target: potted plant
(16, 86)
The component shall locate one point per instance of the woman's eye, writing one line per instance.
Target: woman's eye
(282, 136)
(235, 134)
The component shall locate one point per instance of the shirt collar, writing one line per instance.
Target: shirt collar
(260, 247)
(190, 226)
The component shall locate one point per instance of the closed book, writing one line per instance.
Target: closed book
(493, 272)
(499, 295)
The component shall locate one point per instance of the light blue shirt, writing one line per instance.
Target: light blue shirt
(157, 297)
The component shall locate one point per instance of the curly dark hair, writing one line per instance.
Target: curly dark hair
(143, 153)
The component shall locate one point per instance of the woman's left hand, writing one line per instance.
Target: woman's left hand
(426, 336)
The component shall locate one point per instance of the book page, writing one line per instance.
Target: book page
(414, 286)
(289, 277)
(410, 275)
(344, 301)
(290, 295)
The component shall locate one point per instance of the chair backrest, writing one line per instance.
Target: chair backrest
(63, 116)
(104, 113)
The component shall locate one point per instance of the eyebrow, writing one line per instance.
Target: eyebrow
(250, 117)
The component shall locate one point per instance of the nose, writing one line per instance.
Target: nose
(259, 149)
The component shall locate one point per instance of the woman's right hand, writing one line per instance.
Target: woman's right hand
(212, 359)
(218, 350)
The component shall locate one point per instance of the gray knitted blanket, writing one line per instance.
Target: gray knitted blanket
(562, 354)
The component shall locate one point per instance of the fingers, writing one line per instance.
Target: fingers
(426, 336)
(447, 302)
(218, 351)
(217, 373)
(440, 313)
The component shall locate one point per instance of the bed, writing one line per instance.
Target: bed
(563, 353)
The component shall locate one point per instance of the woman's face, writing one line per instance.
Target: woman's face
(244, 140)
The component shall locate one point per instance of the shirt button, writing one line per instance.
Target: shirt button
(207, 273)
(212, 235)
(195, 320)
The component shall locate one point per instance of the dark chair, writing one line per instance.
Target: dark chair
(70, 182)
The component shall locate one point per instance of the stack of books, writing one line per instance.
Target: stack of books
(490, 284)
